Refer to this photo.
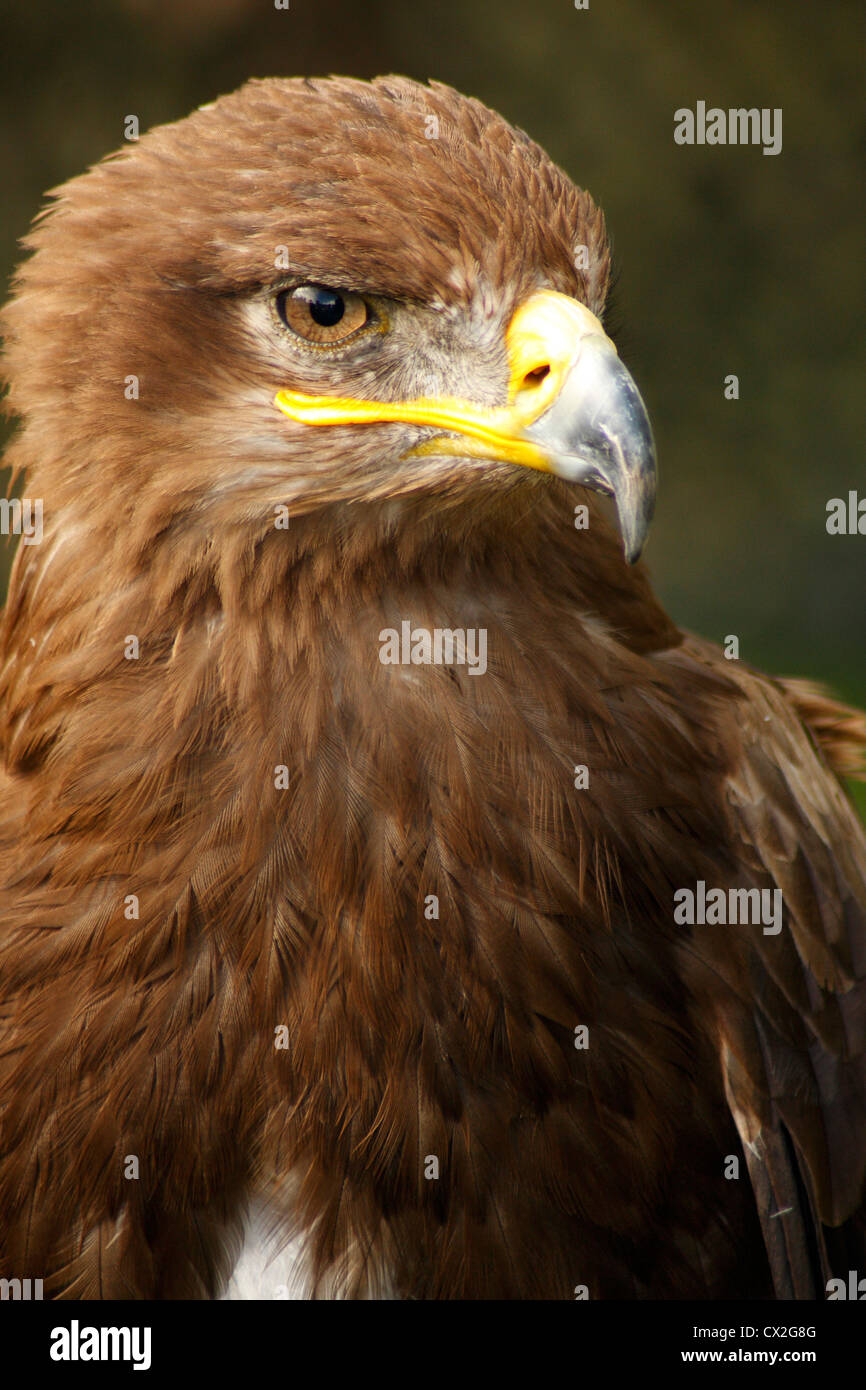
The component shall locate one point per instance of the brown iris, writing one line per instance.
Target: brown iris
(319, 314)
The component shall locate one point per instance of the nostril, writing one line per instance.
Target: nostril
(536, 377)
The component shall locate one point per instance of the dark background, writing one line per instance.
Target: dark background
(729, 260)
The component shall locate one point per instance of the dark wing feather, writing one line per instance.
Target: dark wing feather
(790, 1009)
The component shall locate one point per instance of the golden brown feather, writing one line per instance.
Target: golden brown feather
(302, 905)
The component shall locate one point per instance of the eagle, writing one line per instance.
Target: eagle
(394, 901)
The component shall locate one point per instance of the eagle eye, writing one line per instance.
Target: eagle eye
(319, 314)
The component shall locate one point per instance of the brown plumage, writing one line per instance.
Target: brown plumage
(301, 899)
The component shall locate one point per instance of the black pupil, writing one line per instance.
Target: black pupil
(326, 307)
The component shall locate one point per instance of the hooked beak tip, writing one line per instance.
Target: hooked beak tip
(597, 432)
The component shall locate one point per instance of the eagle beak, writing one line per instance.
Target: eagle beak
(572, 410)
(588, 419)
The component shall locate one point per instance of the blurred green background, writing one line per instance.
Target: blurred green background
(729, 261)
